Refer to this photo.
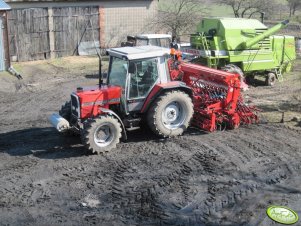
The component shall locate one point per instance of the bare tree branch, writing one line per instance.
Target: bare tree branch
(247, 8)
(293, 5)
(179, 16)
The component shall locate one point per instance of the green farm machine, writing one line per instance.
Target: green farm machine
(244, 46)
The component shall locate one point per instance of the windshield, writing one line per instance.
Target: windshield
(117, 72)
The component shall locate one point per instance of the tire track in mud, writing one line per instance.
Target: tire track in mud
(199, 209)
(145, 202)
(35, 105)
(249, 183)
(134, 201)
(12, 191)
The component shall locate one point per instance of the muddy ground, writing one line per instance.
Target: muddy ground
(221, 178)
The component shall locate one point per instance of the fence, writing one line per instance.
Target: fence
(298, 46)
(39, 33)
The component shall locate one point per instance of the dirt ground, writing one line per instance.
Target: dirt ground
(220, 178)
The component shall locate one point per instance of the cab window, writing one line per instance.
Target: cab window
(141, 42)
(117, 72)
(154, 42)
(165, 42)
(143, 76)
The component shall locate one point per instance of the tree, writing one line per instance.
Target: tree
(293, 5)
(178, 16)
(247, 8)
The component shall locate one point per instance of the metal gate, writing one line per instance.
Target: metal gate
(2, 55)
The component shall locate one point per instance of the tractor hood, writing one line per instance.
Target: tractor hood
(92, 98)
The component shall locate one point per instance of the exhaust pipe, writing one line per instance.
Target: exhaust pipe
(59, 122)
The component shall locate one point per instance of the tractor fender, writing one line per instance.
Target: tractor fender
(110, 112)
(159, 89)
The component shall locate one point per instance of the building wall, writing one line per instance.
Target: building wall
(124, 18)
(117, 19)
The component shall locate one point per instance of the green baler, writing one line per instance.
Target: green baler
(245, 46)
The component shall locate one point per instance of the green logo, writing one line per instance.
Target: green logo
(282, 214)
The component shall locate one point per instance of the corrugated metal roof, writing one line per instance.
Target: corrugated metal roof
(4, 6)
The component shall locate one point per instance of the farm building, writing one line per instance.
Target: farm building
(54, 28)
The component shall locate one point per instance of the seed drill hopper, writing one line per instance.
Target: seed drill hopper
(217, 99)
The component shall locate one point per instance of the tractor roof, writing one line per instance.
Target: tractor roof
(138, 52)
(151, 36)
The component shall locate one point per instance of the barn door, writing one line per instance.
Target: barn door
(28, 32)
(76, 30)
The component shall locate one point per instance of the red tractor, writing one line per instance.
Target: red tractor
(144, 85)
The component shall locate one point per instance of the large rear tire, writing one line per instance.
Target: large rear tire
(171, 114)
(270, 79)
(232, 68)
(250, 79)
(101, 134)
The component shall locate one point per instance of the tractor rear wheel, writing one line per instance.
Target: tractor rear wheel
(270, 79)
(101, 134)
(171, 114)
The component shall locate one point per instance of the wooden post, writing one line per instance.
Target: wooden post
(6, 41)
(102, 24)
(51, 33)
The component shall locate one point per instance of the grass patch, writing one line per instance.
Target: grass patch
(18, 66)
(216, 10)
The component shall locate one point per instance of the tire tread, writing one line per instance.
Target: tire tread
(87, 134)
(152, 114)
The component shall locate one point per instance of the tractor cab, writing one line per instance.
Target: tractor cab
(137, 70)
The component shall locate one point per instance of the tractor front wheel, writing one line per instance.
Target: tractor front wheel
(101, 134)
(270, 79)
(65, 111)
(171, 114)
